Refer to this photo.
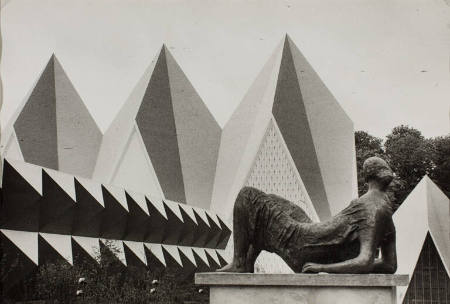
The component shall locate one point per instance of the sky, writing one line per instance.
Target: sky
(387, 62)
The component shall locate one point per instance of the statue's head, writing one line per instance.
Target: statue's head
(376, 169)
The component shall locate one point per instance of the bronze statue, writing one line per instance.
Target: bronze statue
(349, 242)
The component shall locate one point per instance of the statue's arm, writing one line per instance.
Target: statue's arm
(363, 263)
(388, 261)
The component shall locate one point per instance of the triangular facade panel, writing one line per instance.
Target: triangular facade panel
(222, 260)
(172, 253)
(201, 261)
(13, 148)
(190, 231)
(332, 133)
(114, 218)
(156, 123)
(61, 244)
(290, 113)
(135, 171)
(273, 171)
(88, 212)
(430, 282)
(116, 247)
(116, 138)
(239, 132)
(439, 220)
(133, 260)
(78, 135)
(278, 94)
(56, 207)
(53, 127)
(156, 252)
(198, 136)
(137, 248)
(26, 241)
(424, 215)
(16, 264)
(48, 253)
(137, 223)
(189, 267)
(90, 246)
(172, 150)
(35, 126)
(20, 200)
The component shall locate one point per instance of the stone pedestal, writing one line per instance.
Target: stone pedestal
(240, 288)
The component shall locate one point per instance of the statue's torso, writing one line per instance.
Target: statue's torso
(285, 229)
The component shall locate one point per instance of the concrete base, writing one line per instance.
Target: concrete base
(231, 288)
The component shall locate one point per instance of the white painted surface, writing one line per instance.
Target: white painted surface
(26, 241)
(61, 243)
(134, 171)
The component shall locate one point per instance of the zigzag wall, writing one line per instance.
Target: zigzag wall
(46, 213)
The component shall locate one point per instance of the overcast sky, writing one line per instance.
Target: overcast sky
(386, 61)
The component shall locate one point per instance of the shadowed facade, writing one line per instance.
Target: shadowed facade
(48, 215)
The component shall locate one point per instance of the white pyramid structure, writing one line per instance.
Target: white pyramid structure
(53, 128)
(165, 168)
(164, 142)
(289, 136)
(423, 219)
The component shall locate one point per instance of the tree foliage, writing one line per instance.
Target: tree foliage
(108, 281)
(440, 147)
(366, 146)
(411, 157)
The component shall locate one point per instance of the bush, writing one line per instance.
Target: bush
(108, 281)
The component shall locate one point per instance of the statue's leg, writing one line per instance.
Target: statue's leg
(245, 252)
(252, 255)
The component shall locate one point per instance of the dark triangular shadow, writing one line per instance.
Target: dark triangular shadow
(212, 262)
(201, 265)
(156, 225)
(132, 259)
(114, 220)
(48, 254)
(224, 235)
(188, 267)
(16, 266)
(214, 234)
(20, 202)
(203, 231)
(57, 208)
(153, 263)
(292, 119)
(138, 221)
(156, 122)
(173, 231)
(222, 261)
(189, 233)
(171, 263)
(109, 258)
(81, 258)
(88, 213)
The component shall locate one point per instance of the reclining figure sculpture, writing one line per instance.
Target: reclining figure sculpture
(359, 239)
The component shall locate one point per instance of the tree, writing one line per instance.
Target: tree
(366, 146)
(107, 280)
(441, 162)
(409, 155)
